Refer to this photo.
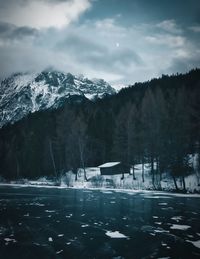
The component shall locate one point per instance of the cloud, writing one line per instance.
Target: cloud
(183, 64)
(195, 28)
(102, 48)
(42, 13)
(166, 39)
(169, 26)
(12, 32)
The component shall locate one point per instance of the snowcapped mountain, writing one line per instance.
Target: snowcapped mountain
(24, 93)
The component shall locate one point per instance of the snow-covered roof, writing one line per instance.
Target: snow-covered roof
(109, 164)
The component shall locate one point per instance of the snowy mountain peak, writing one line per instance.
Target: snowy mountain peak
(24, 93)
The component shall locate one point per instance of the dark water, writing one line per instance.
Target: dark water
(67, 223)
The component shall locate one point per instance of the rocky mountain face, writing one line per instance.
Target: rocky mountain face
(24, 93)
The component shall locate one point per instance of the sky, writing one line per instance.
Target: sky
(121, 41)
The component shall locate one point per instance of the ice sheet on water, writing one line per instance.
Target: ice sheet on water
(187, 195)
(152, 229)
(107, 192)
(180, 227)
(160, 230)
(115, 234)
(50, 239)
(36, 204)
(151, 197)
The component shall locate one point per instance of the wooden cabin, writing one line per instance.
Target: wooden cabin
(112, 168)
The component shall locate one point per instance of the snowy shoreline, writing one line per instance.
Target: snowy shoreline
(105, 190)
(127, 183)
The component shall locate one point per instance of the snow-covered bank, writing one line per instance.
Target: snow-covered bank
(113, 182)
(128, 182)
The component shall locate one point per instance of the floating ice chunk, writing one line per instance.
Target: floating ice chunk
(50, 211)
(155, 217)
(176, 218)
(106, 192)
(160, 230)
(50, 239)
(60, 235)
(115, 234)
(162, 203)
(58, 252)
(37, 204)
(69, 216)
(195, 243)
(68, 243)
(85, 225)
(151, 197)
(180, 227)
(7, 239)
(164, 258)
(26, 215)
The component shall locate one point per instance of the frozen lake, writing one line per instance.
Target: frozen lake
(68, 223)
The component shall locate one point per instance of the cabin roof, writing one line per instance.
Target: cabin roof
(109, 164)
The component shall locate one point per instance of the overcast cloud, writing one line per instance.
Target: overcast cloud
(99, 38)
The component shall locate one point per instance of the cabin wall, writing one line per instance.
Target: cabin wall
(118, 169)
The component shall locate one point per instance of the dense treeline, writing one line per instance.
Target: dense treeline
(156, 122)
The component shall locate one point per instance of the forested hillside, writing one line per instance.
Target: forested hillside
(156, 122)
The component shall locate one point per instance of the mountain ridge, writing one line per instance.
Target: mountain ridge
(24, 93)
